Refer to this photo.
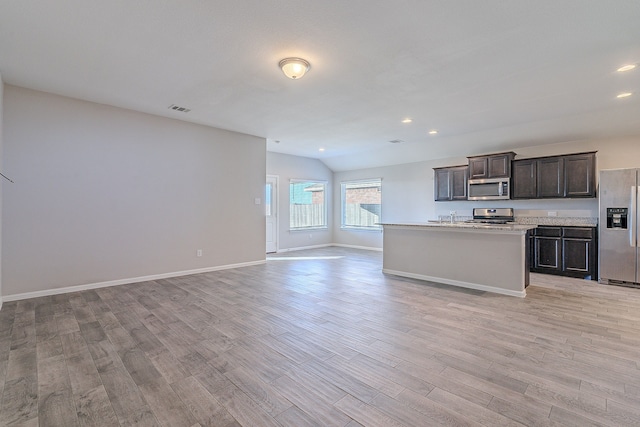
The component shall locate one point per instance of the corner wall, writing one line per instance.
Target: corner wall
(2, 184)
(104, 194)
(288, 167)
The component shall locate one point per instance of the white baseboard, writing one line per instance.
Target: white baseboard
(302, 248)
(326, 245)
(88, 286)
(477, 286)
(366, 248)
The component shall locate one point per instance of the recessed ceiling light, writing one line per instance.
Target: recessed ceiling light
(433, 132)
(627, 67)
(624, 95)
(321, 149)
(407, 120)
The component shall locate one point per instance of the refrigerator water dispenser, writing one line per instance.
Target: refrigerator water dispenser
(617, 218)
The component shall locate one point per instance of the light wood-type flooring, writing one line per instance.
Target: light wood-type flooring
(322, 338)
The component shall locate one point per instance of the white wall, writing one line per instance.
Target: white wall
(404, 199)
(408, 190)
(103, 194)
(288, 167)
(2, 179)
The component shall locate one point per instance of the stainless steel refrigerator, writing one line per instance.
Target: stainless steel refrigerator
(618, 226)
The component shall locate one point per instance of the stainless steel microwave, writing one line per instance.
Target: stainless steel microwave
(488, 189)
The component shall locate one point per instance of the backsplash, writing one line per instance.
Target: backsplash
(568, 217)
(573, 213)
(557, 220)
(447, 218)
(537, 220)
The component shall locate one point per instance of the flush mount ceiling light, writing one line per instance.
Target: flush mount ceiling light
(433, 132)
(294, 68)
(624, 95)
(407, 120)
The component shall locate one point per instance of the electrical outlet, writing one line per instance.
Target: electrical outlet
(552, 213)
(199, 252)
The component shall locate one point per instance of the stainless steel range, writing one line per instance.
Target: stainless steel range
(492, 216)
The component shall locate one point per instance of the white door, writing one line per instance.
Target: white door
(271, 212)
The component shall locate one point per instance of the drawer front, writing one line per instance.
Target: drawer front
(578, 232)
(549, 231)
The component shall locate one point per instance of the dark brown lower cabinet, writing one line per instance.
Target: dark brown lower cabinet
(566, 251)
(576, 255)
(548, 253)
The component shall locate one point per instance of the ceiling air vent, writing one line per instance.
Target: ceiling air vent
(396, 141)
(179, 108)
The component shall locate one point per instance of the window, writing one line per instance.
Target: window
(307, 205)
(361, 204)
(268, 194)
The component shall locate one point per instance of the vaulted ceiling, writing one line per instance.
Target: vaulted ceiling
(488, 75)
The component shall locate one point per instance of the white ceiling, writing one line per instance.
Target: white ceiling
(490, 75)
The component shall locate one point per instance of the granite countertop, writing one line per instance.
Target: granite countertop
(522, 223)
(466, 225)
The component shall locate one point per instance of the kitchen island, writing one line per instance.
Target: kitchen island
(491, 258)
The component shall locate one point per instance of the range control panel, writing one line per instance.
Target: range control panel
(617, 218)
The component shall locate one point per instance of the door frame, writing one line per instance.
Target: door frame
(275, 208)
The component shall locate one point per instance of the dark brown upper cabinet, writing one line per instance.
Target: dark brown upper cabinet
(570, 176)
(580, 175)
(491, 166)
(550, 177)
(524, 179)
(450, 183)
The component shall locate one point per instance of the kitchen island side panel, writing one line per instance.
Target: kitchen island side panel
(479, 259)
